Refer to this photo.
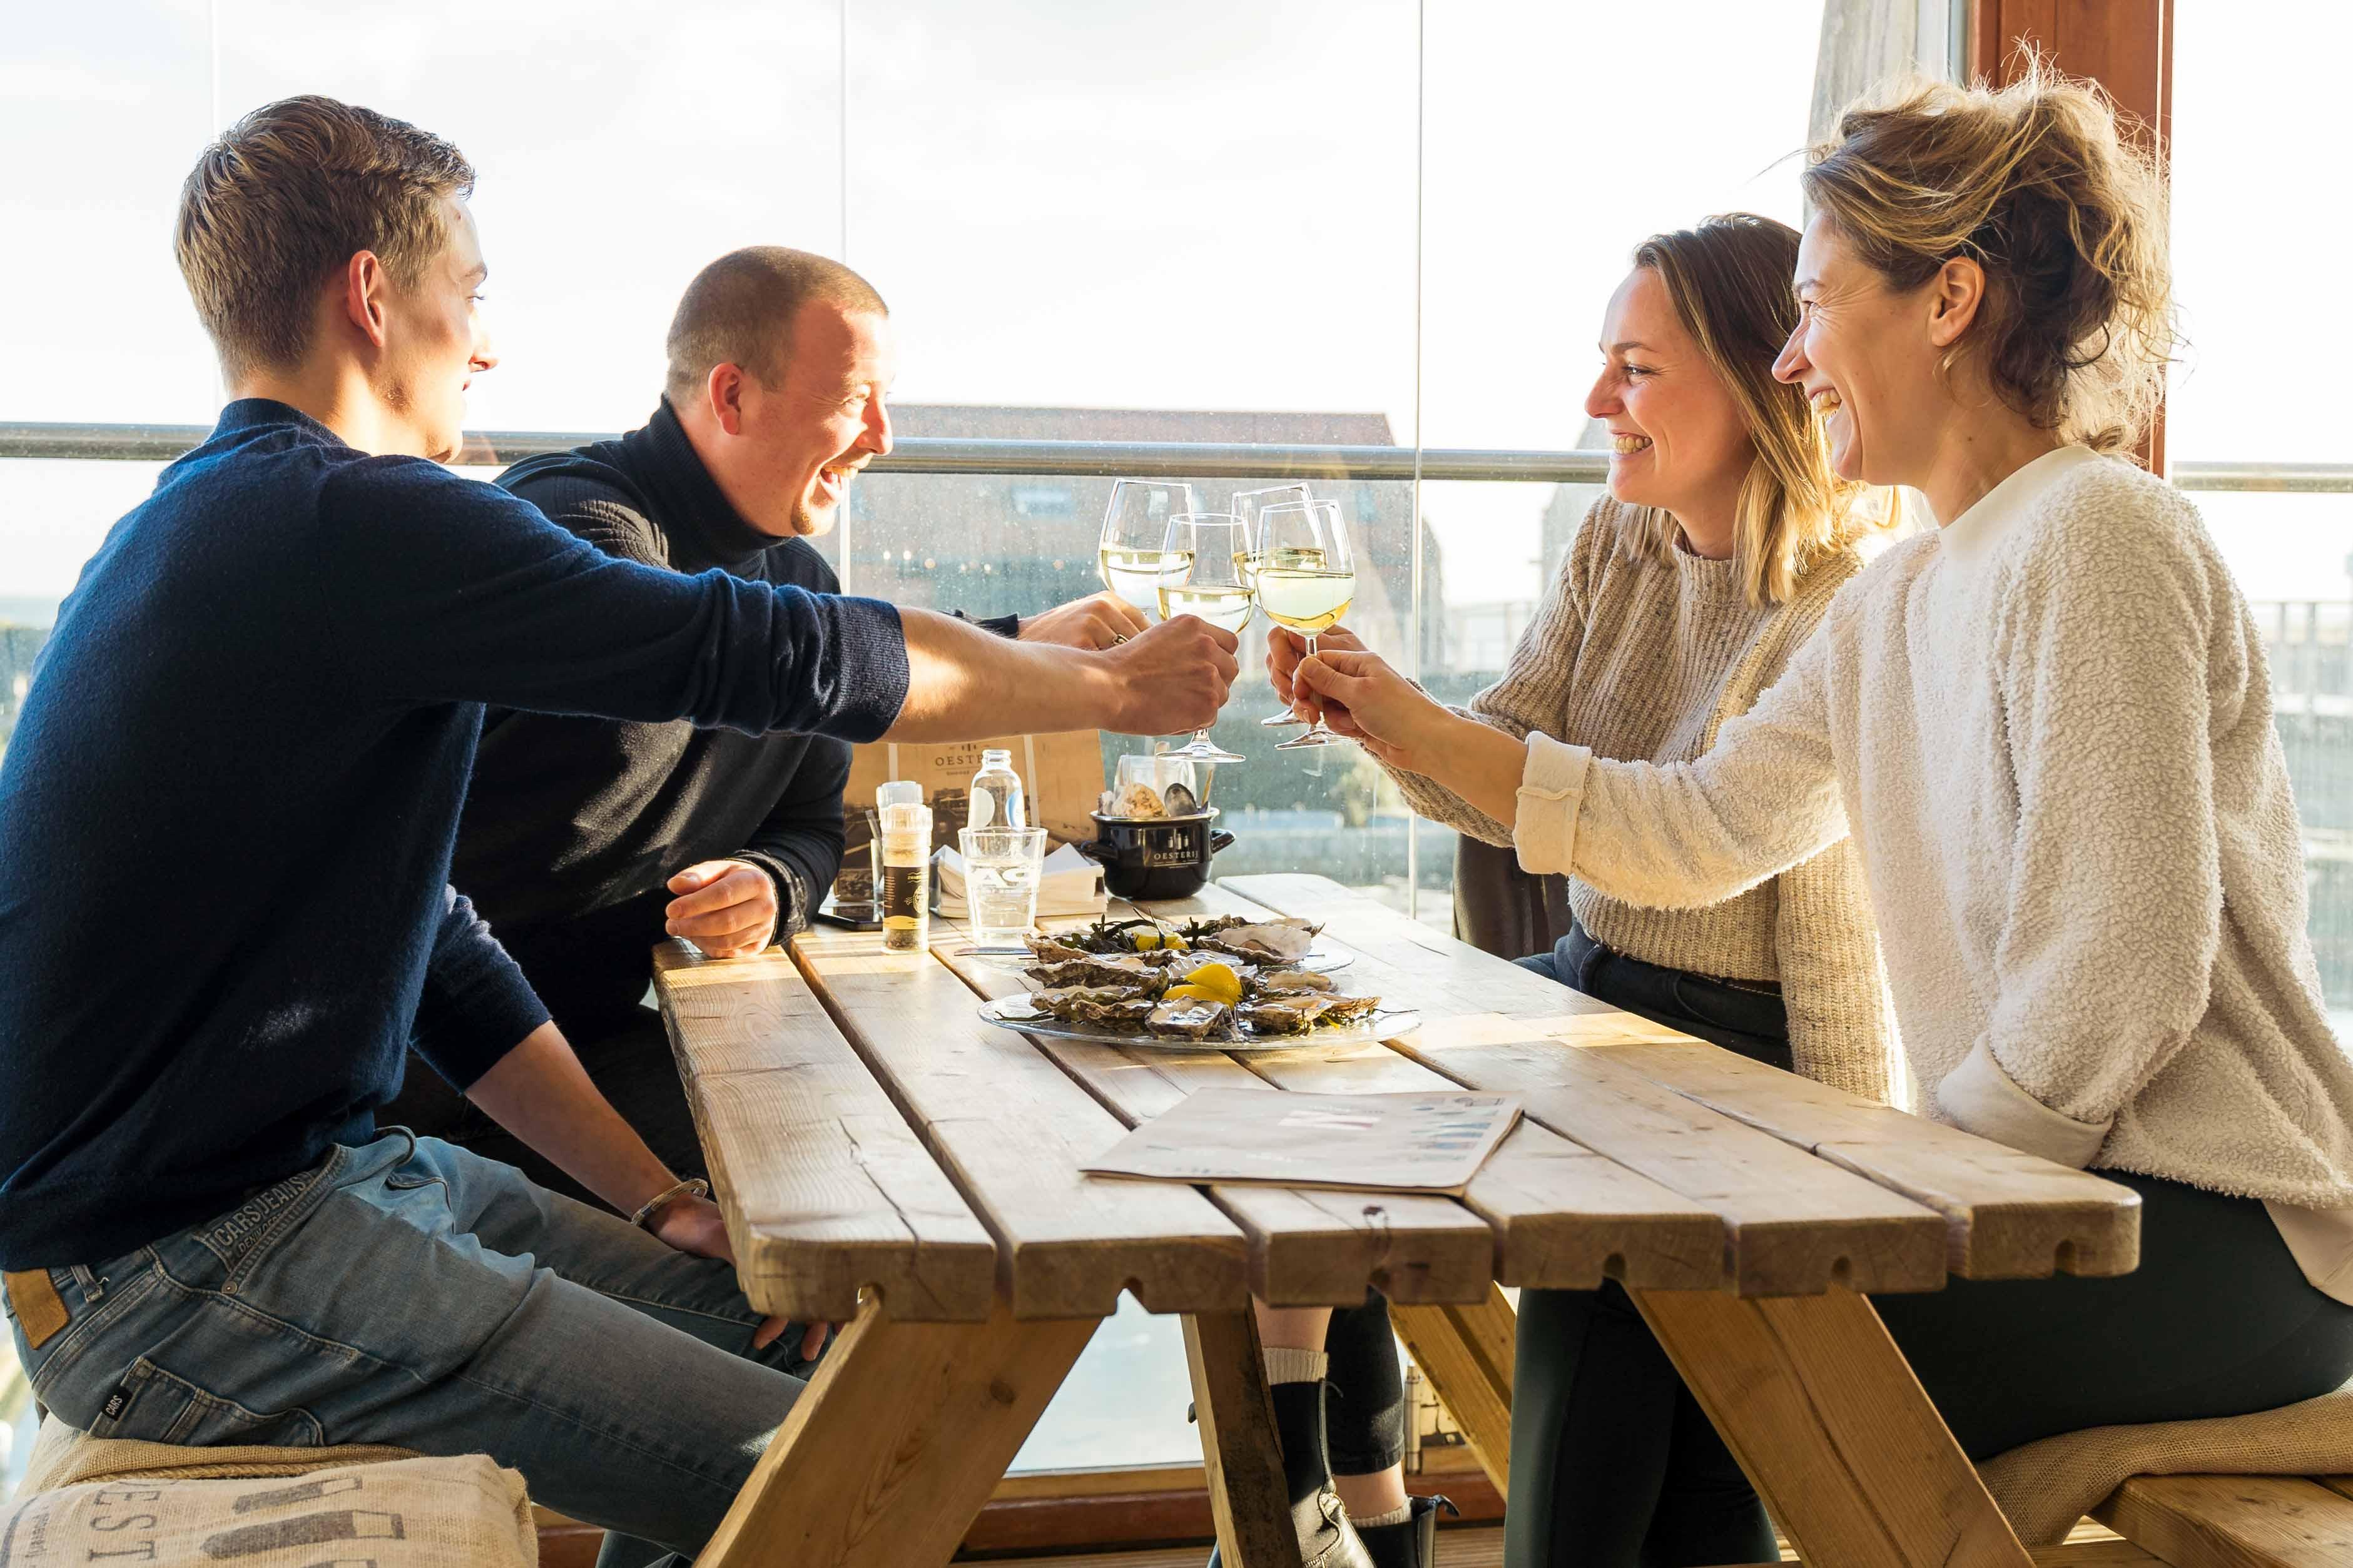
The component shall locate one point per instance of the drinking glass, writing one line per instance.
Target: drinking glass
(1217, 545)
(1132, 552)
(1000, 884)
(1250, 507)
(1306, 580)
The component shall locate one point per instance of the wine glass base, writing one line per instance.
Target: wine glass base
(1310, 740)
(1201, 752)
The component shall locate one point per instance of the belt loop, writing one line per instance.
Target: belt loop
(93, 1289)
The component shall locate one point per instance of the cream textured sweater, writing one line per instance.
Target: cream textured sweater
(2048, 726)
(1642, 659)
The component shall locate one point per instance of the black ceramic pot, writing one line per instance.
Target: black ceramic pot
(1156, 856)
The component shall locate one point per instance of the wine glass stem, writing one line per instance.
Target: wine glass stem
(1319, 711)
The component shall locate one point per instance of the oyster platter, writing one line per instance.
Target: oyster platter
(1221, 985)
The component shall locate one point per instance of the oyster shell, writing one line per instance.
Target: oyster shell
(1290, 981)
(1179, 801)
(1347, 1009)
(1090, 1004)
(1093, 969)
(1193, 1020)
(1287, 940)
(1294, 1015)
(1046, 949)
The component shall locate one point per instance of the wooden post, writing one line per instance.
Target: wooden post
(1467, 1352)
(1813, 1398)
(1240, 1455)
(889, 1454)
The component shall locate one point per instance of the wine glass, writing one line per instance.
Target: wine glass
(1306, 580)
(1134, 536)
(1217, 545)
(1250, 507)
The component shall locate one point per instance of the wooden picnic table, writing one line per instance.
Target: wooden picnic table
(888, 1160)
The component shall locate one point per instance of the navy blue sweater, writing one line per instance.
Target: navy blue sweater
(227, 813)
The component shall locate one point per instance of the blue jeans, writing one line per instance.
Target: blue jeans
(409, 1293)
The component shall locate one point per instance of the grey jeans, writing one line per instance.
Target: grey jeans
(407, 1292)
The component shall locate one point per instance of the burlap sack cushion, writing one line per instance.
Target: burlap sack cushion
(2044, 1488)
(263, 1507)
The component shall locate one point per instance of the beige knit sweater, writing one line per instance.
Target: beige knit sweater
(1642, 659)
(2048, 726)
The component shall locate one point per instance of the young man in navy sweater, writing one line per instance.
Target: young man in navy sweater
(247, 743)
(585, 840)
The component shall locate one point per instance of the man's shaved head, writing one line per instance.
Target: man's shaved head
(740, 310)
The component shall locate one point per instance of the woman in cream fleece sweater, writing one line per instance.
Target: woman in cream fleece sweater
(2048, 726)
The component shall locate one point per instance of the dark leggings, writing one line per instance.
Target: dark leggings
(1364, 1413)
(1624, 1470)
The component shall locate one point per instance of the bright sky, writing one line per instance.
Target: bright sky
(1073, 203)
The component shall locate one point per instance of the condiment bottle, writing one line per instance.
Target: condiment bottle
(904, 895)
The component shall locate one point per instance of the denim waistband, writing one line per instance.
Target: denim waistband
(1583, 949)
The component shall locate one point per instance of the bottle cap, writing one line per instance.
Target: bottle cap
(899, 791)
(995, 759)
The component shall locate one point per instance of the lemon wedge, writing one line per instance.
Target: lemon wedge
(1145, 938)
(1188, 993)
(1217, 981)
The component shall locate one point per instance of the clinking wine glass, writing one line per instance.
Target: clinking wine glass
(1249, 508)
(1133, 552)
(1215, 545)
(1306, 580)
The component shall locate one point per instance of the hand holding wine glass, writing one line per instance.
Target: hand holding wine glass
(1306, 578)
(1215, 546)
(1285, 648)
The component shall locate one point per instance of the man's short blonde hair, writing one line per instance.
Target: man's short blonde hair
(739, 310)
(286, 197)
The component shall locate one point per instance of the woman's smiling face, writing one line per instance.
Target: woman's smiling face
(1678, 440)
(1868, 358)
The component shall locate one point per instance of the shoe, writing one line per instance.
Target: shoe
(1326, 1539)
(1414, 1543)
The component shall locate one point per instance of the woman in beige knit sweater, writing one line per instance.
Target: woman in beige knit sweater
(1684, 596)
(2048, 726)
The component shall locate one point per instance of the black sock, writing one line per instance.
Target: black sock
(1299, 1428)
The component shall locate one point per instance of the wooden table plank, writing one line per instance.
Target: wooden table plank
(1307, 1247)
(2233, 1522)
(2010, 1216)
(1796, 1225)
(823, 1187)
(1012, 1131)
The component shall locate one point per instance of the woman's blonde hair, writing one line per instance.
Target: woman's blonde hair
(1729, 279)
(2066, 214)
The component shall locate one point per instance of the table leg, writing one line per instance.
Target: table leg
(888, 1456)
(1823, 1413)
(1466, 1352)
(1240, 1454)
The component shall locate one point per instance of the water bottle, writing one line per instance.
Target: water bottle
(994, 800)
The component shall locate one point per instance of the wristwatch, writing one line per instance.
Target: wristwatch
(693, 1187)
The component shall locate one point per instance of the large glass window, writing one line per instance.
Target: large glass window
(2259, 383)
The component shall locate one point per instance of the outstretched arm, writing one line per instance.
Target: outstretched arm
(962, 681)
(1681, 837)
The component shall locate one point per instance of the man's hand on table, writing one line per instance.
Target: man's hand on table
(693, 1226)
(1173, 678)
(1098, 621)
(726, 908)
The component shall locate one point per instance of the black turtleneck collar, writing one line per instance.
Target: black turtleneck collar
(694, 512)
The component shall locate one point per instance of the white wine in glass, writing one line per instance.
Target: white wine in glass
(1132, 553)
(1306, 578)
(1213, 544)
(1248, 508)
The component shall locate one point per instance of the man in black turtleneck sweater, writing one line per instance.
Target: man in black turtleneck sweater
(584, 841)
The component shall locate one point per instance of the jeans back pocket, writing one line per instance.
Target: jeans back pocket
(151, 1404)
